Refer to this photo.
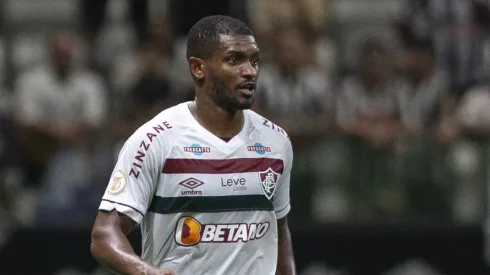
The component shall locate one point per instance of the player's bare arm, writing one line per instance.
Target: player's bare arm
(110, 246)
(285, 260)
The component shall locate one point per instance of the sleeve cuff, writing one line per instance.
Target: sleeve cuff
(127, 210)
(282, 212)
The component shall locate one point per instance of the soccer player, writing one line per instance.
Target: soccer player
(208, 180)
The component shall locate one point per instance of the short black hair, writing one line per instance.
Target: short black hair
(206, 32)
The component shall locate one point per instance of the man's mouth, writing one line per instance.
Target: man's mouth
(247, 88)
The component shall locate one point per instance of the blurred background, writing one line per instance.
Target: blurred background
(387, 103)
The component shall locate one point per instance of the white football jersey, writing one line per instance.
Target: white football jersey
(206, 206)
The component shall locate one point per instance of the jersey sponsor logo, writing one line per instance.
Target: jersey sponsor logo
(191, 183)
(273, 126)
(189, 231)
(237, 184)
(118, 183)
(197, 150)
(268, 181)
(144, 146)
(259, 148)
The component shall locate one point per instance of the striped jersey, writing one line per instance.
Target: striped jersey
(205, 205)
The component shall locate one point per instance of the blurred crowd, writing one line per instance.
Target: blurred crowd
(78, 77)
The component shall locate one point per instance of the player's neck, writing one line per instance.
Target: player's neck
(220, 122)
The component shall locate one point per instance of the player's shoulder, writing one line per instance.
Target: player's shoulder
(269, 129)
(165, 127)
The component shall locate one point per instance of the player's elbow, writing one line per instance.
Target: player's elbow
(98, 243)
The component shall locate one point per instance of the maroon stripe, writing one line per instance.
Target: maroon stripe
(221, 166)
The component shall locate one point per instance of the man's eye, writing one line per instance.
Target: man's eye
(233, 60)
(255, 61)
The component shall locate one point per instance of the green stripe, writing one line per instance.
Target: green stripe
(210, 204)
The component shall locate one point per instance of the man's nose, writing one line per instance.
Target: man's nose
(249, 71)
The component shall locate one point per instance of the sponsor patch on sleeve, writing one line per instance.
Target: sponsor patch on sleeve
(118, 183)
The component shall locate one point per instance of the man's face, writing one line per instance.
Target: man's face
(233, 72)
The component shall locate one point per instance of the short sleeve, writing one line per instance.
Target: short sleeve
(281, 199)
(135, 176)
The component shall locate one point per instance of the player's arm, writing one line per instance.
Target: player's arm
(125, 203)
(111, 247)
(285, 260)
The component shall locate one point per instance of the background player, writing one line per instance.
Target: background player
(223, 59)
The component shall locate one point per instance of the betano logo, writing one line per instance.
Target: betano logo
(189, 231)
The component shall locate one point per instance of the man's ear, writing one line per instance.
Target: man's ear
(197, 67)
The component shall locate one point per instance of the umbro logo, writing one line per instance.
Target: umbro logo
(191, 183)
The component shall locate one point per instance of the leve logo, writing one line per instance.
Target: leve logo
(189, 231)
